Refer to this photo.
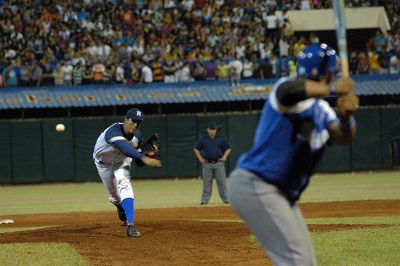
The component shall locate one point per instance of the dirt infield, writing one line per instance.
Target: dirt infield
(180, 236)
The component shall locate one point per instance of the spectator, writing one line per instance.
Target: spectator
(363, 64)
(78, 74)
(287, 29)
(135, 74)
(58, 75)
(380, 41)
(147, 74)
(373, 61)
(299, 45)
(36, 73)
(272, 22)
(222, 71)
(109, 72)
(98, 70)
(87, 77)
(169, 70)
(120, 74)
(394, 64)
(211, 70)
(284, 46)
(235, 72)
(353, 63)
(26, 74)
(266, 69)
(67, 70)
(313, 38)
(10, 76)
(183, 74)
(384, 61)
(248, 69)
(47, 75)
(158, 70)
(257, 72)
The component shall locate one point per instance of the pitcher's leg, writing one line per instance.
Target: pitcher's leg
(110, 183)
(125, 190)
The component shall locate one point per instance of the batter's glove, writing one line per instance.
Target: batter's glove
(348, 104)
(151, 147)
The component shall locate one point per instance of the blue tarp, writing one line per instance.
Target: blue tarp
(159, 93)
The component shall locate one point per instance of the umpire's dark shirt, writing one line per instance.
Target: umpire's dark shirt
(212, 149)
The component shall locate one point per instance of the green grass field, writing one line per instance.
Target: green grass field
(352, 247)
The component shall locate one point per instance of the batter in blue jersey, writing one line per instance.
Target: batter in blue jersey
(295, 126)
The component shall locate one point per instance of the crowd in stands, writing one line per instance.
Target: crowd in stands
(71, 42)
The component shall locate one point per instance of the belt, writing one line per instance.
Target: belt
(212, 161)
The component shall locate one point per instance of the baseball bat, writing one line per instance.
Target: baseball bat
(340, 23)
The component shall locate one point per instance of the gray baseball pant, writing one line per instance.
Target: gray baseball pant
(217, 170)
(278, 226)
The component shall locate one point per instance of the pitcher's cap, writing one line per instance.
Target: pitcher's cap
(135, 114)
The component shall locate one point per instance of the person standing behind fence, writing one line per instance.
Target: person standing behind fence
(212, 151)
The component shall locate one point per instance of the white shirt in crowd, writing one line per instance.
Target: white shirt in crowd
(236, 67)
(283, 47)
(394, 64)
(188, 5)
(183, 74)
(103, 50)
(119, 74)
(248, 69)
(67, 71)
(272, 21)
(147, 74)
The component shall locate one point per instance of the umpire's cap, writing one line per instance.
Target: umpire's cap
(316, 62)
(135, 114)
(212, 125)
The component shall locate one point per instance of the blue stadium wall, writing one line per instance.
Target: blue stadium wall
(34, 152)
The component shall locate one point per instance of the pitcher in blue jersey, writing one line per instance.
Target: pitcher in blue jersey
(113, 153)
(295, 126)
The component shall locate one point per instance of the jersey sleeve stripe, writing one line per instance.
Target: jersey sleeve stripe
(113, 139)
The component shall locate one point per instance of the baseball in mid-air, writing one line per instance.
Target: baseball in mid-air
(60, 127)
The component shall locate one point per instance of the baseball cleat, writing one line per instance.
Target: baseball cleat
(131, 230)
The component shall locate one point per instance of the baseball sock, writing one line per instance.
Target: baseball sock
(128, 205)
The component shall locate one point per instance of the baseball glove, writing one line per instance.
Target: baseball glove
(348, 104)
(151, 147)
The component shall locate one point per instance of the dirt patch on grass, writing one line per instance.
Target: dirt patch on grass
(180, 236)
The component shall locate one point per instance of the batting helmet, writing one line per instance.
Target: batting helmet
(135, 114)
(316, 62)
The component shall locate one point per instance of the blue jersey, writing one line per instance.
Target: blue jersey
(289, 142)
(212, 148)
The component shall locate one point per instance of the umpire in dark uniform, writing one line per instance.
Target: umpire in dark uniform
(212, 151)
